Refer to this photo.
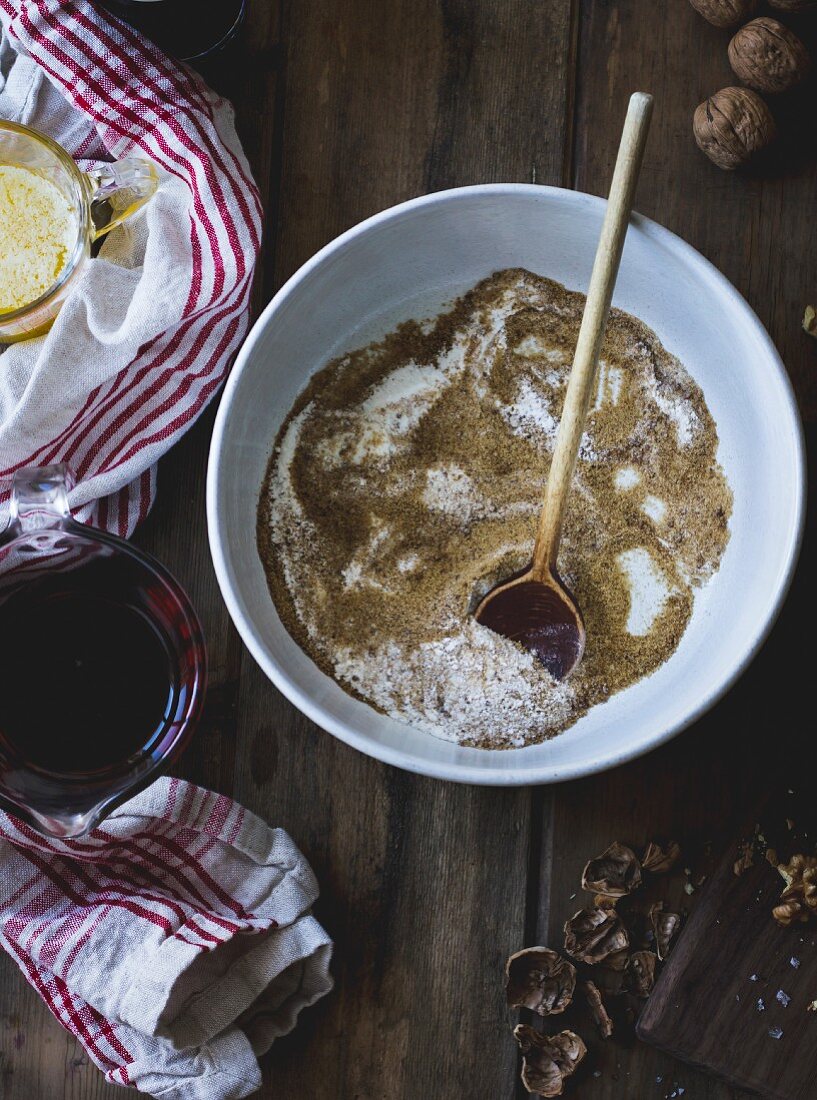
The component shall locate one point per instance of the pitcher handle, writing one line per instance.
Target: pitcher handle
(125, 185)
(39, 497)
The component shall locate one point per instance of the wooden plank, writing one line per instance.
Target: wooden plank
(730, 999)
(699, 786)
(424, 883)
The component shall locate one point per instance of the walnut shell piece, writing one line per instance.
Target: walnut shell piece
(810, 320)
(798, 901)
(725, 13)
(657, 861)
(593, 935)
(548, 1059)
(597, 1009)
(539, 979)
(641, 972)
(733, 126)
(768, 56)
(614, 873)
(788, 912)
(664, 925)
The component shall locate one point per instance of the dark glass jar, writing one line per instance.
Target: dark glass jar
(191, 30)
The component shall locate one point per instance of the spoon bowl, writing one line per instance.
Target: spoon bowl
(540, 615)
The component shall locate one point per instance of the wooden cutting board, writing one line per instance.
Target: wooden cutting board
(731, 959)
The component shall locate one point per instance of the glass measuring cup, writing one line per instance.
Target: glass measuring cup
(102, 663)
(98, 200)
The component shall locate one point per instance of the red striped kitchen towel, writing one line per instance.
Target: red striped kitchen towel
(148, 334)
(175, 941)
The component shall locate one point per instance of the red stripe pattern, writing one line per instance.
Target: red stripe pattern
(108, 92)
(150, 937)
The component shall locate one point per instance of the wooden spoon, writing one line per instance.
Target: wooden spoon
(535, 608)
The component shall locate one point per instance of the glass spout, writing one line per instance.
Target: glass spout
(66, 826)
(39, 497)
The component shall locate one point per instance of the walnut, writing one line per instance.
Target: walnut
(641, 972)
(664, 925)
(732, 126)
(725, 13)
(593, 935)
(810, 320)
(788, 912)
(614, 873)
(658, 861)
(548, 1059)
(799, 900)
(599, 1012)
(768, 56)
(539, 979)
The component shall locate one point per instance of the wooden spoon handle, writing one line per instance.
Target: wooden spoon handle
(581, 385)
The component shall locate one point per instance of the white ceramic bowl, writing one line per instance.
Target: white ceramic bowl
(408, 262)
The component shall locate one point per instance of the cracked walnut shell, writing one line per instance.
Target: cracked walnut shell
(641, 972)
(539, 979)
(548, 1059)
(658, 861)
(768, 56)
(733, 126)
(593, 935)
(798, 901)
(597, 1009)
(724, 13)
(614, 873)
(664, 925)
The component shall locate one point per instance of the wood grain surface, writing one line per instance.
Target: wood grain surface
(735, 994)
(346, 107)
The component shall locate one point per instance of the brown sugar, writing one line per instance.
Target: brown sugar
(407, 480)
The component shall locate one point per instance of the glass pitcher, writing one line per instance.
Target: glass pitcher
(94, 201)
(102, 663)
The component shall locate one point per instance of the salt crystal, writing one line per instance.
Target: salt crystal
(761, 1005)
(776, 1032)
(783, 998)
(795, 962)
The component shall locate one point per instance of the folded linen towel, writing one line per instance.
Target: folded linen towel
(149, 330)
(175, 940)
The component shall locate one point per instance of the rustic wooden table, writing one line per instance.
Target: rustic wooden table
(346, 107)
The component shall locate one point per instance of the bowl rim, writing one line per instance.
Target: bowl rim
(534, 772)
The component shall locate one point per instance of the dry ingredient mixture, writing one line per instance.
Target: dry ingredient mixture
(407, 480)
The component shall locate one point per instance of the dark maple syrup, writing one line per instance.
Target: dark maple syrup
(87, 678)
